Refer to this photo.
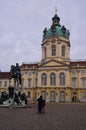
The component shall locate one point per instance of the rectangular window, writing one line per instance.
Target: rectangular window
(5, 83)
(35, 82)
(82, 72)
(0, 83)
(73, 72)
(83, 82)
(73, 83)
(36, 73)
(84, 96)
(22, 83)
(22, 73)
(29, 82)
(29, 73)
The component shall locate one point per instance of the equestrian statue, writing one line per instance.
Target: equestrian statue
(16, 74)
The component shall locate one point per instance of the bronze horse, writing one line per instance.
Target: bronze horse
(15, 74)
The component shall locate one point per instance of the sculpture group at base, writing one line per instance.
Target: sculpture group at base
(14, 96)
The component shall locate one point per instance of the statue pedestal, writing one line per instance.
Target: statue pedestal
(16, 98)
(11, 92)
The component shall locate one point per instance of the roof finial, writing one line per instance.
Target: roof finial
(56, 10)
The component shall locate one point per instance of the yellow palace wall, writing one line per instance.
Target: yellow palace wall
(35, 90)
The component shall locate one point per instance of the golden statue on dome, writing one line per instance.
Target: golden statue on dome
(56, 10)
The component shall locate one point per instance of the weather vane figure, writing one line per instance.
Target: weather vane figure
(56, 10)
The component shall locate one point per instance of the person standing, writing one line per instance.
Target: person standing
(43, 105)
(40, 104)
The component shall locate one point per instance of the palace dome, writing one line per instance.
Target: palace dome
(56, 30)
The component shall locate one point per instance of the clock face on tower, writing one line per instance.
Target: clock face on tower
(53, 40)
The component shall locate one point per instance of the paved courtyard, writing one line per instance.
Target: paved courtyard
(61, 116)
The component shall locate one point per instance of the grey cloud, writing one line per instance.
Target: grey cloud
(22, 23)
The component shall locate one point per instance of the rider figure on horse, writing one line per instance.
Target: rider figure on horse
(16, 74)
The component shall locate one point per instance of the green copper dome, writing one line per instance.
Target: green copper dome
(56, 29)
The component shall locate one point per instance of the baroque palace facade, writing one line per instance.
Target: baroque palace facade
(55, 77)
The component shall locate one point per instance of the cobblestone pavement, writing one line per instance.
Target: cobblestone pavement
(58, 116)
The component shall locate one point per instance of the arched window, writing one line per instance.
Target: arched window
(83, 82)
(63, 51)
(52, 96)
(45, 52)
(62, 78)
(44, 79)
(53, 50)
(43, 93)
(62, 96)
(52, 79)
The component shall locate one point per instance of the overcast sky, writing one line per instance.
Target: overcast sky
(22, 23)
